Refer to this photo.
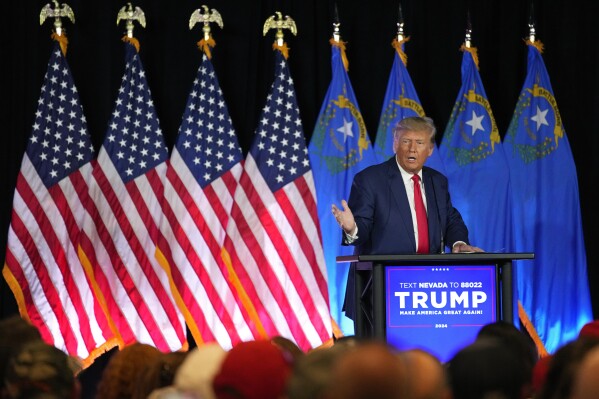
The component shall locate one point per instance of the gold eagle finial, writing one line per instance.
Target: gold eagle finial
(205, 18)
(277, 22)
(130, 14)
(58, 12)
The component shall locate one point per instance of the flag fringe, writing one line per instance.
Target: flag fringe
(473, 51)
(337, 333)
(80, 364)
(62, 41)
(245, 299)
(191, 323)
(341, 46)
(398, 46)
(131, 40)
(88, 269)
(206, 45)
(536, 44)
(530, 328)
(283, 49)
(99, 351)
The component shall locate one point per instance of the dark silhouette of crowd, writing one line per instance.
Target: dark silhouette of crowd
(501, 363)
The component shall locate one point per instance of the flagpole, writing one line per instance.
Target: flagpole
(400, 24)
(531, 24)
(467, 40)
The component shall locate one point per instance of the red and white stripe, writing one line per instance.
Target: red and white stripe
(276, 250)
(42, 266)
(119, 240)
(195, 226)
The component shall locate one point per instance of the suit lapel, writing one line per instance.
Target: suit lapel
(400, 198)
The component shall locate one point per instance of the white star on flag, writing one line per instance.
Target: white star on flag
(540, 118)
(346, 129)
(476, 122)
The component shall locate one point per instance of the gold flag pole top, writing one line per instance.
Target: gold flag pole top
(131, 14)
(277, 22)
(58, 12)
(208, 16)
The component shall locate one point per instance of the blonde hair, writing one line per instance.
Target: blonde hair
(415, 124)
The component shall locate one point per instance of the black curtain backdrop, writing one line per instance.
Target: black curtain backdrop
(243, 59)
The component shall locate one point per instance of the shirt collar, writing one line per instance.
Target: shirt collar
(407, 176)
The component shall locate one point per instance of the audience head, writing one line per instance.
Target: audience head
(427, 378)
(172, 393)
(157, 373)
(487, 367)
(586, 381)
(40, 371)
(590, 330)
(522, 343)
(371, 369)
(563, 368)
(311, 375)
(14, 333)
(539, 374)
(288, 346)
(197, 371)
(123, 370)
(253, 370)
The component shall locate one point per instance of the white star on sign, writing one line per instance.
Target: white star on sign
(540, 118)
(476, 122)
(346, 129)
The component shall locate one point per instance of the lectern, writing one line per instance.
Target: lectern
(437, 302)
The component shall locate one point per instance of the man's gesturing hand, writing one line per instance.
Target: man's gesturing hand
(344, 217)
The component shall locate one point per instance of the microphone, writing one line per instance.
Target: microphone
(438, 217)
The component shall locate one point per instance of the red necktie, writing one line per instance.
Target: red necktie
(420, 217)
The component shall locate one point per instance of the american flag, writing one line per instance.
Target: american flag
(273, 238)
(203, 172)
(42, 267)
(122, 227)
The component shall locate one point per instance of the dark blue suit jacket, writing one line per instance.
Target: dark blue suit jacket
(379, 203)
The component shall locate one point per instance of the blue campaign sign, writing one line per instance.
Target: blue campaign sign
(439, 308)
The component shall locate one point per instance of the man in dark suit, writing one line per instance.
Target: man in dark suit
(381, 216)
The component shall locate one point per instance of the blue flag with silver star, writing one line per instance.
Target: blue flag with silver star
(339, 148)
(475, 163)
(554, 291)
(401, 101)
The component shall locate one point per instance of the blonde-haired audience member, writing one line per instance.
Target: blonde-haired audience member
(197, 371)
